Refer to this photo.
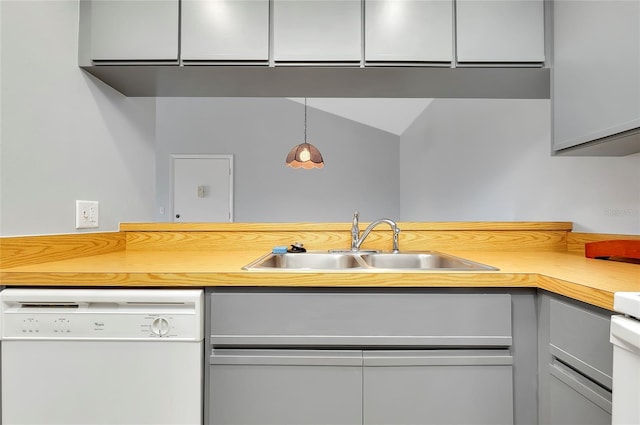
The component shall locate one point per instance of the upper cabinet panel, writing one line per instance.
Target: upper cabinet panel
(317, 31)
(596, 77)
(412, 31)
(326, 48)
(500, 31)
(132, 30)
(225, 31)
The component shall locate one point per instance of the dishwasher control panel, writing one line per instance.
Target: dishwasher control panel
(35, 316)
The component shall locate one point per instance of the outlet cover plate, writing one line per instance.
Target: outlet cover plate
(87, 214)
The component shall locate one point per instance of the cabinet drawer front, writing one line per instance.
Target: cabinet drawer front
(580, 338)
(352, 318)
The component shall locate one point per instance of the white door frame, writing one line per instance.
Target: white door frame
(200, 156)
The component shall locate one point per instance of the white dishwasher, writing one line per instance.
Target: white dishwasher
(101, 356)
(625, 336)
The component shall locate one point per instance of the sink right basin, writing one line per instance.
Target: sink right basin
(428, 260)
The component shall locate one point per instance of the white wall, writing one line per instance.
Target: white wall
(466, 160)
(64, 135)
(361, 163)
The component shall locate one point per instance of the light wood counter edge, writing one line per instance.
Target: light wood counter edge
(298, 227)
(590, 295)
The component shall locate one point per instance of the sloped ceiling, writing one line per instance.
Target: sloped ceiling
(388, 114)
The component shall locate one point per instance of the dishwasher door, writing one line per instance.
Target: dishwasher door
(101, 357)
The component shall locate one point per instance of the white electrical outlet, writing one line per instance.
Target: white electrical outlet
(87, 214)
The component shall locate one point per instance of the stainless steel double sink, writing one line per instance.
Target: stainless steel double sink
(379, 260)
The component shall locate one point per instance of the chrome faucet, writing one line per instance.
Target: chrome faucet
(356, 240)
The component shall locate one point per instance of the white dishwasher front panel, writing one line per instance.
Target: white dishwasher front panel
(102, 357)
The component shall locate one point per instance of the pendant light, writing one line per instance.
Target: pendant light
(305, 155)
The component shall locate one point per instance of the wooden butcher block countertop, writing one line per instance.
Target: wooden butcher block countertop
(534, 255)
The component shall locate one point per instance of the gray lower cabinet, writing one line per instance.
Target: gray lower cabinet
(575, 399)
(314, 356)
(576, 362)
(249, 386)
(438, 387)
(288, 387)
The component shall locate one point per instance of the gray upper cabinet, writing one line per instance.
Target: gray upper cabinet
(129, 31)
(317, 31)
(500, 31)
(596, 77)
(411, 31)
(225, 31)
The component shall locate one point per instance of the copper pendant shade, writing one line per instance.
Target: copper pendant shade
(305, 155)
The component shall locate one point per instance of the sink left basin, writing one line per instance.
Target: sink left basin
(306, 261)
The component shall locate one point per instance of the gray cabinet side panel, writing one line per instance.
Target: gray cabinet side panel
(544, 358)
(525, 357)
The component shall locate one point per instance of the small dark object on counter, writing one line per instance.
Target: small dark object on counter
(297, 247)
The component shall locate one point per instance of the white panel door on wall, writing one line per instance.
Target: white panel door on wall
(202, 188)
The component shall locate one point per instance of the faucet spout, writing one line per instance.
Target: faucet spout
(356, 240)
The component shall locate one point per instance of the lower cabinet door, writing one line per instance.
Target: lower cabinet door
(575, 399)
(285, 387)
(438, 387)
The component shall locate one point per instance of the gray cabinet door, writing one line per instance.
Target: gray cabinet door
(225, 30)
(438, 387)
(574, 399)
(409, 31)
(596, 70)
(575, 363)
(500, 31)
(317, 31)
(291, 387)
(133, 30)
(580, 338)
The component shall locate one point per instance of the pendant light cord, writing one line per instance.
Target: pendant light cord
(305, 120)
